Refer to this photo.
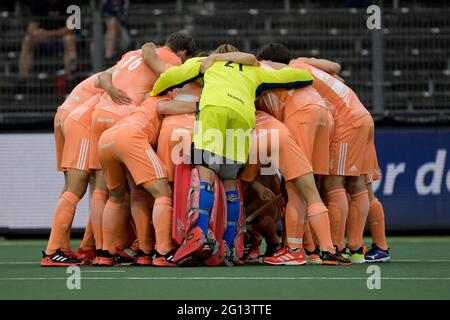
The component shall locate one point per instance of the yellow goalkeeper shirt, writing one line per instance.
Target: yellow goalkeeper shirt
(231, 85)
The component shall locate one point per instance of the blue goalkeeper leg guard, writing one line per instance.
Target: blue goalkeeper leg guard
(205, 206)
(233, 211)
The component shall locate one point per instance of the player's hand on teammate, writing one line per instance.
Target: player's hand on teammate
(207, 62)
(149, 45)
(118, 96)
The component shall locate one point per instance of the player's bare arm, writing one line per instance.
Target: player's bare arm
(275, 65)
(236, 57)
(117, 95)
(151, 58)
(171, 107)
(328, 66)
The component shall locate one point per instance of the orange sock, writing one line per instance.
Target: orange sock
(338, 212)
(308, 240)
(320, 223)
(124, 224)
(162, 220)
(115, 216)
(141, 210)
(131, 232)
(376, 224)
(358, 211)
(98, 200)
(62, 222)
(295, 218)
(88, 242)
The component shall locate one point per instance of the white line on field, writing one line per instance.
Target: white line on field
(419, 260)
(102, 271)
(228, 278)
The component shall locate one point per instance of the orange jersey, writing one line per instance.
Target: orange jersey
(81, 93)
(341, 99)
(133, 76)
(191, 93)
(146, 118)
(83, 113)
(282, 104)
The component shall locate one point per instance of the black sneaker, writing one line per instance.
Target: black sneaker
(334, 259)
(144, 259)
(122, 258)
(59, 259)
(105, 259)
(313, 257)
(97, 256)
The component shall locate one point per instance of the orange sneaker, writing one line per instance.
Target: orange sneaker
(97, 255)
(144, 259)
(166, 260)
(105, 259)
(85, 255)
(59, 259)
(287, 257)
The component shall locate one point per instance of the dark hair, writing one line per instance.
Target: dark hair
(181, 41)
(225, 48)
(275, 52)
(202, 54)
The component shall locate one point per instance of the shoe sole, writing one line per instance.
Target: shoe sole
(314, 262)
(143, 264)
(164, 264)
(101, 263)
(286, 263)
(335, 263)
(358, 261)
(382, 260)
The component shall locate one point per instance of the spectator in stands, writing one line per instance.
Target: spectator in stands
(48, 28)
(117, 39)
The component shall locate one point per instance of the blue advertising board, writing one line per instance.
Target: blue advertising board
(415, 184)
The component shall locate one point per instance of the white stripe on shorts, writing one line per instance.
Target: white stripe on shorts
(155, 163)
(83, 153)
(342, 158)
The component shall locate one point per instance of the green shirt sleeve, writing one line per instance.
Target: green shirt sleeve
(286, 78)
(177, 77)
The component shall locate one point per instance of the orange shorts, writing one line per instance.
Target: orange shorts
(374, 173)
(174, 142)
(331, 126)
(310, 128)
(58, 125)
(351, 150)
(273, 143)
(101, 121)
(127, 147)
(76, 147)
